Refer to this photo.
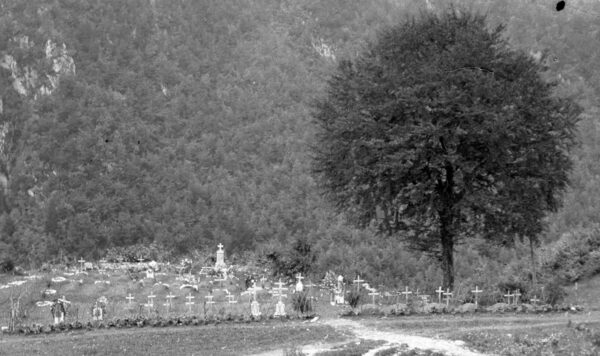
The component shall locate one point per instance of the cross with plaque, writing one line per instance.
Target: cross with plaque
(406, 293)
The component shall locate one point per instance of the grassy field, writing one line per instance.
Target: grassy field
(205, 340)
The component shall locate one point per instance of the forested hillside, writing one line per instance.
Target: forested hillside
(185, 123)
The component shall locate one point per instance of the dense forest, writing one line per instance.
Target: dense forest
(166, 127)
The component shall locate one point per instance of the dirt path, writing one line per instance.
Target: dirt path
(357, 331)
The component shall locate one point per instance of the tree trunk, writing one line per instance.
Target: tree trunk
(447, 258)
(533, 271)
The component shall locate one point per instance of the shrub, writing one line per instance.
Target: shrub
(301, 303)
(353, 298)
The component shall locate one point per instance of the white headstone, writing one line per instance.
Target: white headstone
(220, 258)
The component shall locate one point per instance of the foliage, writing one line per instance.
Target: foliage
(574, 256)
(300, 258)
(354, 298)
(135, 253)
(417, 136)
(301, 303)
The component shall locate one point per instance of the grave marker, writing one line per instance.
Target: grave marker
(439, 292)
(230, 299)
(374, 293)
(358, 281)
(448, 294)
(517, 294)
(220, 264)
(299, 286)
(151, 300)
(406, 293)
(534, 300)
(508, 296)
(280, 306)
(169, 303)
(189, 302)
(81, 261)
(129, 298)
(476, 292)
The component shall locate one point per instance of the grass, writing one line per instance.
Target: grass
(236, 339)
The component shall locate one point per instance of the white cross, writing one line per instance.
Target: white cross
(231, 298)
(358, 281)
(189, 303)
(220, 246)
(448, 294)
(374, 293)
(82, 261)
(508, 295)
(534, 300)
(406, 293)
(169, 298)
(280, 289)
(130, 298)
(439, 291)
(517, 294)
(299, 277)
(210, 299)
(151, 300)
(476, 292)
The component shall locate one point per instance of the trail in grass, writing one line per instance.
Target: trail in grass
(392, 339)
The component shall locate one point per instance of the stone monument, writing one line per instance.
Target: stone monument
(220, 264)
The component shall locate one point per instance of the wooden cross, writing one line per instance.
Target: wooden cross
(508, 296)
(476, 292)
(189, 303)
(81, 261)
(439, 292)
(169, 298)
(534, 300)
(448, 294)
(151, 300)
(280, 289)
(406, 293)
(299, 277)
(517, 294)
(358, 281)
(374, 293)
(230, 299)
(130, 298)
(210, 299)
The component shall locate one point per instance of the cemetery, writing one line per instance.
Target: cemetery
(91, 297)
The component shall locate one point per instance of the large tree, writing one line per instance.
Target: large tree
(439, 132)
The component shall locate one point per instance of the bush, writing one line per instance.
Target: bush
(556, 293)
(301, 303)
(354, 298)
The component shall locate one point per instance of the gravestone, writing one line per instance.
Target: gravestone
(220, 264)
(150, 273)
(299, 285)
(59, 310)
(231, 299)
(151, 300)
(254, 306)
(280, 306)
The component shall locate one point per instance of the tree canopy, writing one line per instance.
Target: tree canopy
(441, 132)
